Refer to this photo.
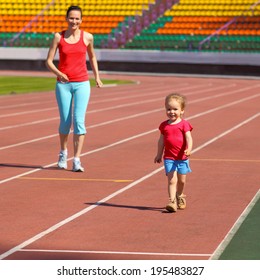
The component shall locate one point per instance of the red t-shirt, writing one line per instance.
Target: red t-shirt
(73, 59)
(174, 139)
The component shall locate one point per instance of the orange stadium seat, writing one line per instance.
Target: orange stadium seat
(181, 27)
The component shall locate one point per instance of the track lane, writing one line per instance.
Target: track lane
(97, 158)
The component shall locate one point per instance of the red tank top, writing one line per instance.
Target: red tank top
(72, 60)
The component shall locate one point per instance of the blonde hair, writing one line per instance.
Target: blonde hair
(178, 97)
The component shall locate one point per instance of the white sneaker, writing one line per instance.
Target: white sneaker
(62, 162)
(77, 167)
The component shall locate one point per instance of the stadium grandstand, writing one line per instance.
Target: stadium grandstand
(184, 32)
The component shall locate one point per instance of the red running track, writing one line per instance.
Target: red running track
(115, 210)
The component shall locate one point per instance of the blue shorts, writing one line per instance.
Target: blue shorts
(181, 166)
(67, 95)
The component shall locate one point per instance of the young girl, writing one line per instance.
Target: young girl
(175, 145)
(72, 82)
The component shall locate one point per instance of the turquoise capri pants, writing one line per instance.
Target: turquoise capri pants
(72, 99)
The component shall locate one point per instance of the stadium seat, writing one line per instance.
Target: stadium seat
(181, 28)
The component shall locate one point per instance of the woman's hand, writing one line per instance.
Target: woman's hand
(63, 78)
(99, 83)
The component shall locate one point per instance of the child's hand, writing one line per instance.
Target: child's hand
(187, 152)
(157, 159)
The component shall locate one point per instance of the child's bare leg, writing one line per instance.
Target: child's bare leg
(181, 201)
(181, 183)
(172, 183)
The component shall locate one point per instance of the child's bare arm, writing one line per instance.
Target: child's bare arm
(189, 143)
(160, 149)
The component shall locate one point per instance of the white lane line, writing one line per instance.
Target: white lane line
(88, 127)
(89, 208)
(118, 97)
(130, 104)
(222, 246)
(162, 91)
(91, 102)
(116, 143)
(25, 104)
(116, 253)
(75, 216)
(88, 113)
(227, 131)
(138, 115)
(83, 154)
(28, 123)
(27, 112)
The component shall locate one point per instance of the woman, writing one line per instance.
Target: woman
(72, 83)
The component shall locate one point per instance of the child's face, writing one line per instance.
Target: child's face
(173, 110)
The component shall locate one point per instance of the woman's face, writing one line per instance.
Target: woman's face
(74, 19)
